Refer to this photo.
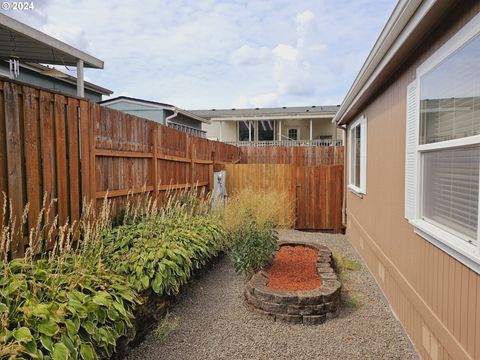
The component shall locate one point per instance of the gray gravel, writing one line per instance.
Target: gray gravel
(214, 324)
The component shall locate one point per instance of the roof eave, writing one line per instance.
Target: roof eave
(395, 40)
(40, 37)
(191, 115)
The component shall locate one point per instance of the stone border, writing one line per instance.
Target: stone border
(307, 307)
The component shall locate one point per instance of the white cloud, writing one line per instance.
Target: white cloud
(304, 18)
(285, 53)
(72, 35)
(212, 53)
(248, 55)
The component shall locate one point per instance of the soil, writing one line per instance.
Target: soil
(294, 269)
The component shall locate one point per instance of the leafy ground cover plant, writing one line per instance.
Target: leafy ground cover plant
(160, 252)
(77, 301)
(55, 310)
(64, 305)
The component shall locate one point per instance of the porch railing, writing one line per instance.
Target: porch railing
(187, 129)
(317, 142)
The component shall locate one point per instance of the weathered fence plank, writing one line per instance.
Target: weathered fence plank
(14, 160)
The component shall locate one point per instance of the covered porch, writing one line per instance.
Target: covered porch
(280, 132)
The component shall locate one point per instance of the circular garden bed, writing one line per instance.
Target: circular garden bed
(300, 287)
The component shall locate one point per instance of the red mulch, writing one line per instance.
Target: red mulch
(294, 269)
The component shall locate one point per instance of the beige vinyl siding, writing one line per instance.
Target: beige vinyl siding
(436, 298)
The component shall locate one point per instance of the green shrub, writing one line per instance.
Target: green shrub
(159, 252)
(252, 245)
(57, 310)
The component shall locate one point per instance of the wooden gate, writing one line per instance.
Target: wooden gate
(316, 191)
(319, 197)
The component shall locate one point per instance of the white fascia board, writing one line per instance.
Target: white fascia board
(140, 103)
(406, 16)
(278, 117)
(46, 40)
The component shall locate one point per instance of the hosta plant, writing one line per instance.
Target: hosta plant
(160, 252)
(55, 310)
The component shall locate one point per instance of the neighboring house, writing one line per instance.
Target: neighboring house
(412, 119)
(162, 113)
(48, 78)
(24, 48)
(309, 125)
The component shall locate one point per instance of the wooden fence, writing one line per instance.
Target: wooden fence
(72, 150)
(313, 176)
(300, 155)
(264, 177)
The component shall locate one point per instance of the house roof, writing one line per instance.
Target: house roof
(154, 104)
(410, 22)
(38, 68)
(267, 113)
(21, 41)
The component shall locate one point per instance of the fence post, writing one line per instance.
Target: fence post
(155, 159)
(192, 162)
(14, 161)
(211, 169)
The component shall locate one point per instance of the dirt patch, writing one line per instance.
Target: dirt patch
(294, 269)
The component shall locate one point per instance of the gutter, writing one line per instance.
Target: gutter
(410, 20)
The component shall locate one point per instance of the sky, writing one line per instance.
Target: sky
(203, 54)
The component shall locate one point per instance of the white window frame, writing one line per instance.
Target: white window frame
(362, 189)
(455, 246)
(294, 128)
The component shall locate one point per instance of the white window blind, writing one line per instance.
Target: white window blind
(450, 191)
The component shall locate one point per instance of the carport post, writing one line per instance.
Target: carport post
(80, 88)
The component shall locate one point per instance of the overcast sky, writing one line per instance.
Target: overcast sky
(200, 54)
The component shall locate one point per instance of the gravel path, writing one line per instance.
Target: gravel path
(214, 324)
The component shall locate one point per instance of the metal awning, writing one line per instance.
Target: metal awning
(21, 41)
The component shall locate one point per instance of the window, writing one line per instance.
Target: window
(358, 155)
(265, 130)
(292, 134)
(243, 130)
(443, 160)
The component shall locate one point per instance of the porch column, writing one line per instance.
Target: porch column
(80, 89)
(311, 130)
(249, 131)
(279, 130)
(221, 131)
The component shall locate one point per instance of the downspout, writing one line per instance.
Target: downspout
(175, 114)
(344, 202)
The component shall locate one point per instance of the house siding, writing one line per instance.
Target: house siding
(143, 111)
(435, 297)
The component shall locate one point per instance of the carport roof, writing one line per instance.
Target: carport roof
(21, 41)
